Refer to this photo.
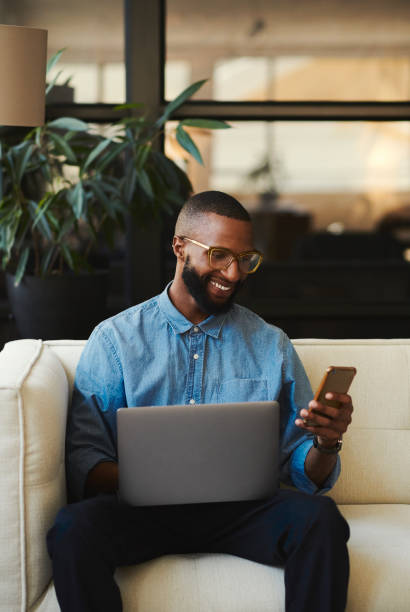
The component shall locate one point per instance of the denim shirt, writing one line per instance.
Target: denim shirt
(150, 354)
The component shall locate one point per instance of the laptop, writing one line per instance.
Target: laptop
(198, 453)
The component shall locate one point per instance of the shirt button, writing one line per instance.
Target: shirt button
(196, 329)
(196, 356)
(192, 401)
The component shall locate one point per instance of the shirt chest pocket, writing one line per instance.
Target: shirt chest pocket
(242, 390)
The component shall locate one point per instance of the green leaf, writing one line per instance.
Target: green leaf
(99, 188)
(54, 59)
(179, 100)
(67, 255)
(63, 148)
(21, 268)
(188, 144)
(22, 161)
(68, 123)
(22, 233)
(129, 184)
(67, 226)
(111, 156)
(53, 82)
(53, 220)
(76, 198)
(42, 208)
(174, 178)
(37, 135)
(46, 259)
(129, 106)
(208, 124)
(145, 183)
(11, 232)
(142, 155)
(135, 123)
(45, 168)
(95, 153)
(43, 225)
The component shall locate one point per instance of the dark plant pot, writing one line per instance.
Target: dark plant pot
(67, 306)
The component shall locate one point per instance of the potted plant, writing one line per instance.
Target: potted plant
(67, 190)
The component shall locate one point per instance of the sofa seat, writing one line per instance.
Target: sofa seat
(379, 549)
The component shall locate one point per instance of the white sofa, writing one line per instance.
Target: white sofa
(373, 491)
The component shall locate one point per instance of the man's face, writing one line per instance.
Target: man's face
(197, 286)
(214, 290)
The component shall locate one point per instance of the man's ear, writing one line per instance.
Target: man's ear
(178, 246)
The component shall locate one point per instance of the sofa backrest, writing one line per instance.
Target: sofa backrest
(376, 450)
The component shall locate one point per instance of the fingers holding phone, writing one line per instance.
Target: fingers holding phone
(328, 421)
(330, 412)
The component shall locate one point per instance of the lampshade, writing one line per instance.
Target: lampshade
(23, 58)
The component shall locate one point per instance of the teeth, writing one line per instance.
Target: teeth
(220, 286)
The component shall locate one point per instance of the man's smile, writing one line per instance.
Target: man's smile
(221, 286)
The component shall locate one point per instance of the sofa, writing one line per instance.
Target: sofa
(373, 491)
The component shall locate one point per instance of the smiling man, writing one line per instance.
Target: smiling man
(192, 344)
(207, 278)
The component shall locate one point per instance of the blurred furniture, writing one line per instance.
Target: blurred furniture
(277, 230)
(359, 246)
(373, 491)
(333, 299)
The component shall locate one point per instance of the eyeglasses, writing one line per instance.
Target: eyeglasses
(220, 258)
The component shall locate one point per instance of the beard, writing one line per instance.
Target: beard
(196, 286)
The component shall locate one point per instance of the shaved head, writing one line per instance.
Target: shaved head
(194, 210)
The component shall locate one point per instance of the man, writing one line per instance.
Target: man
(192, 344)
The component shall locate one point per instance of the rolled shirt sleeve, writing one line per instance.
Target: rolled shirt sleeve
(91, 423)
(296, 394)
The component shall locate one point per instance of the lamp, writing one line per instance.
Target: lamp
(23, 57)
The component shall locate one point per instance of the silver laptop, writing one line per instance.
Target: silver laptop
(196, 454)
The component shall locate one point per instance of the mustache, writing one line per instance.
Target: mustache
(197, 285)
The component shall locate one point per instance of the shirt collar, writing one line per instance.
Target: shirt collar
(211, 326)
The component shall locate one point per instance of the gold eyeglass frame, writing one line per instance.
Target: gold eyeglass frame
(237, 257)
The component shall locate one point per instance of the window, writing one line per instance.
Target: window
(308, 50)
(317, 94)
(91, 34)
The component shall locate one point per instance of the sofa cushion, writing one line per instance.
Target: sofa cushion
(376, 451)
(33, 400)
(379, 550)
(201, 583)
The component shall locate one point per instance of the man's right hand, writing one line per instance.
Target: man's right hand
(102, 478)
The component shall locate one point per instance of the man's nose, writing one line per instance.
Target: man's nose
(232, 272)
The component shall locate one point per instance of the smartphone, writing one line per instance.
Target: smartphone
(337, 379)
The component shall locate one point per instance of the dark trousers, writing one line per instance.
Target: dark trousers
(303, 533)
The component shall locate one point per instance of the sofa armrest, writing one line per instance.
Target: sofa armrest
(33, 407)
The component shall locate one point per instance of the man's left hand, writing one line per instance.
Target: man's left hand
(331, 423)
